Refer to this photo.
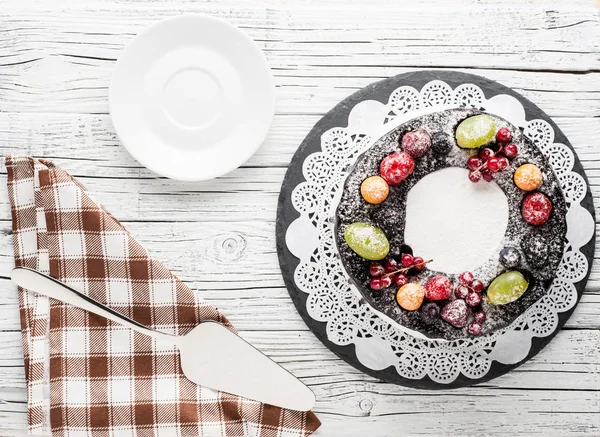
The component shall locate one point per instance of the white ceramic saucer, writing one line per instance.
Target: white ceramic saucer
(192, 97)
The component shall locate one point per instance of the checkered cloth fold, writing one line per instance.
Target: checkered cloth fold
(87, 376)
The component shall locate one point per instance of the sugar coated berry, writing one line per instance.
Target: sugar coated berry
(485, 154)
(410, 296)
(493, 164)
(390, 265)
(401, 279)
(416, 143)
(441, 143)
(475, 328)
(367, 241)
(396, 167)
(475, 131)
(376, 284)
(511, 151)
(456, 313)
(473, 163)
(536, 209)
(504, 135)
(473, 299)
(438, 288)
(509, 257)
(376, 270)
(487, 175)
(502, 162)
(374, 189)
(430, 312)
(528, 177)
(475, 176)
(466, 278)
(407, 260)
(386, 281)
(418, 263)
(477, 286)
(461, 291)
(480, 316)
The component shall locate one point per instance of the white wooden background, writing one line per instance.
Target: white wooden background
(56, 58)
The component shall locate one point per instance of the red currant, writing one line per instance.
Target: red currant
(418, 263)
(511, 151)
(486, 154)
(480, 316)
(461, 292)
(475, 176)
(504, 135)
(407, 260)
(473, 163)
(487, 175)
(376, 270)
(376, 284)
(475, 328)
(401, 279)
(493, 164)
(473, 299)
(477, 286)
(502, 162)
(386, 281)
(466, 278)
(391, 265)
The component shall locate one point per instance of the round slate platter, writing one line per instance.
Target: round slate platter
(338, 116)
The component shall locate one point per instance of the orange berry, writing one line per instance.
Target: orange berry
(374, 189)
(410, 296)
(528, 177)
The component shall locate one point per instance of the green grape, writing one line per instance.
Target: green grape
(367, 241)
(475, 131)
(506, 288)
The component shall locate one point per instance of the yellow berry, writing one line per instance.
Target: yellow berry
(410, 296)
(528, 177)
(374, 189)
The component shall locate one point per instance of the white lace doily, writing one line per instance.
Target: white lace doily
(331, 299)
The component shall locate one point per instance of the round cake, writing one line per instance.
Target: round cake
(451, 224)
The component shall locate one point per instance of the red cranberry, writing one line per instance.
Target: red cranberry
(480, 316)
(466, 278)
(475, 328)
(376, 284)
(376, 270)
(486, 154)
(416, 143)
(438, 288)
(473, 163)
(536, 209)
(493, 164)
(391, 265)
(477, 286)
(455, 313)
(504, 135)
(461, 292)
(396, 167)
(475, 176)
(401, 279)
(386, 281)
(418, 263)
(511, 151)
(407, 260)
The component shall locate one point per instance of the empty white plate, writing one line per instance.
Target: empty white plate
(192, 97)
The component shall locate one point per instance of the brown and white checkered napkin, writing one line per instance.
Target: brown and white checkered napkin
(87, 376)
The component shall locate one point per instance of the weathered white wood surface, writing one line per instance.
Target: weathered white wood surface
(56, 59)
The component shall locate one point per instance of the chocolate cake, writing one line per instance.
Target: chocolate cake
(503, 279)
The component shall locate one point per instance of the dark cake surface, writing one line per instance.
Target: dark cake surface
(535, 243)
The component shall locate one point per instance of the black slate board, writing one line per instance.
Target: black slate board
(338, 116)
